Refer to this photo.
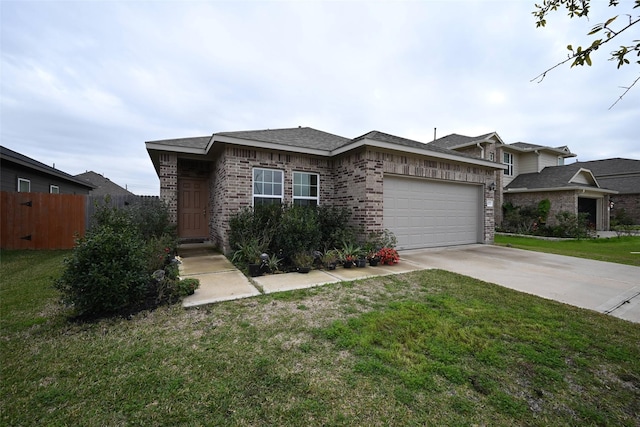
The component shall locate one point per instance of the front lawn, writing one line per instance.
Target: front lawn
(621, 250)
(424, 348)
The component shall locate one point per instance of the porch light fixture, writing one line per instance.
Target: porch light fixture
(492, 186)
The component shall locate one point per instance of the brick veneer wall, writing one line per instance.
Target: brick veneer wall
(354, 179)
(232, 176)
(560, 201)
(630, 203)
(169, 183)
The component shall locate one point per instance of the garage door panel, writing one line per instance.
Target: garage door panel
(423, 213)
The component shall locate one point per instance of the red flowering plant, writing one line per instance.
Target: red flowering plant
(388, 256)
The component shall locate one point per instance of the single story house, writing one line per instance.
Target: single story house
(24, 174)
(428, 196)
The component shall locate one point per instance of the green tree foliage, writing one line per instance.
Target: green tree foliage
(615, 29)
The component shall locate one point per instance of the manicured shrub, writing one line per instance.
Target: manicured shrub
(106, 271)
(112, 268)
(334, 226)
(283, 231)
(298, 231)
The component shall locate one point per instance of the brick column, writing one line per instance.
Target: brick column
(169, 184)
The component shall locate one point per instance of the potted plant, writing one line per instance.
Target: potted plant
(350, 253)
(388, 256)
(303, 261)
(273, 264)
(373, 258)
(329, 259)
(253, 254)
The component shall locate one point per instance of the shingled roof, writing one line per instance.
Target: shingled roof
(527, 147)
(622, 175)
(103, 185)
(197, 142)
(20, 159)
(301, 137)
(392, 139)
(552, 177)
(455, 140)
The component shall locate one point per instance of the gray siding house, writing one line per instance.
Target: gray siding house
(19, 173)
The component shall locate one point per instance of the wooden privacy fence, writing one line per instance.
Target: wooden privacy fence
(41, 220)
(52, 221)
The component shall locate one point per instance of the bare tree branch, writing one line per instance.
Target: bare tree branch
(625, 92)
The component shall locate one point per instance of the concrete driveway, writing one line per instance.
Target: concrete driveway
(601, 286)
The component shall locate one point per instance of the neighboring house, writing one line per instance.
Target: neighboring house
(20, 173)
(623, 176)
(569, 188)
(428, 196)
(103, 185)
(534, 173)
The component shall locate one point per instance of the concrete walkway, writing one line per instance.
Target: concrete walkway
(604, 287)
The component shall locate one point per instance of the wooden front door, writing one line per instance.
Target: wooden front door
(192, 208)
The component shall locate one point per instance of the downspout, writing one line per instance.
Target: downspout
(479, 145)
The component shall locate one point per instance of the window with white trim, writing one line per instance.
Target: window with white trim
(267, 187)
(560, 161)
(54, 189)
(508, 160)
(24, 185)
(306, 189)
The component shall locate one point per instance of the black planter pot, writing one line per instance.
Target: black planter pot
(361, 263)
(255, 270)
(373, 262)
(347, 264)
(304, 270)
(331, 266)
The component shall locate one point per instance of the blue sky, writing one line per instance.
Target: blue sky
(85, 84)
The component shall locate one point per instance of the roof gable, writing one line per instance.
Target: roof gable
(525, 147)
(611, 167)
(556, 177)
(455, 141)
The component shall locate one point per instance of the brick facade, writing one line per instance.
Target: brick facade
(169, 183)
(354, 179)
(561, 201)
(630, 203)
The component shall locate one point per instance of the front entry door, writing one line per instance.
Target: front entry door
(192, 208)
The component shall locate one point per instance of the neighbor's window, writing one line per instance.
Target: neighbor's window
(54, 189)
(267, 187)
(492, 156)
(305, 189)
(24, 185)
(508, 160)
(560, 161)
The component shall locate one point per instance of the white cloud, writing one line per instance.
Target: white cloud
(84, 84)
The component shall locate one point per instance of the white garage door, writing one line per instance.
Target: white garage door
(425, 213)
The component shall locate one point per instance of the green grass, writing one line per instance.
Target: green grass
(425, 348)
(616, 249)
